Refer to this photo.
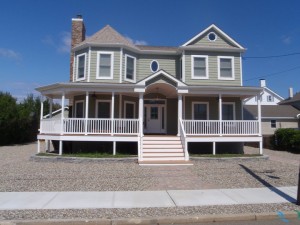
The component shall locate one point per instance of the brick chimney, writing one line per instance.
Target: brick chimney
(77, 36)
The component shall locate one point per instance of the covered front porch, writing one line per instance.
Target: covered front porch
(160, 105)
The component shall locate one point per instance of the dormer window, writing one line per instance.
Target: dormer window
(226, 67)
(130, 65)
(81, 64)
(105, 65)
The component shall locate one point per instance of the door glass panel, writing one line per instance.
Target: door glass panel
(103, 110)
(154, 113)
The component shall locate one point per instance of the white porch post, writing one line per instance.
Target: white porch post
(179, 113)
(51, 107)
(214, 148)
(86, 112)
(120, 106)
(38, 146)
(62, 114)
(220, 115)
(141, 113)
(114, 148)
(60, 148)
(112, 112)
(259, 123)
(41, 116)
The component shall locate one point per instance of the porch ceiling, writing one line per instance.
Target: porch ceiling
(162, 88)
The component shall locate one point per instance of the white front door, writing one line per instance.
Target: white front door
(154, 118)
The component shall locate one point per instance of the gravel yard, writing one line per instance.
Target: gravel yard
(18, 173)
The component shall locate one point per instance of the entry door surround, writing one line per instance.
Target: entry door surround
(155, 116)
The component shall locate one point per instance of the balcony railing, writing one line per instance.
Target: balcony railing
(131, 126)
(90, 126)
(224, 127)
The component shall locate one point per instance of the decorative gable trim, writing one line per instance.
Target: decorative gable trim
(165, 74)
(213, 26)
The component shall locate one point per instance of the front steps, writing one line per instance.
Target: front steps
(162, 150)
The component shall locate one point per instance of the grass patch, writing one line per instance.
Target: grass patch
(224, 155)
(89, 155)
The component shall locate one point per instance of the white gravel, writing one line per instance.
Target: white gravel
(18, 173)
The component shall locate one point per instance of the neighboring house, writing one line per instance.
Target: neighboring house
(273, 116)
(123, 92)
(293, 100)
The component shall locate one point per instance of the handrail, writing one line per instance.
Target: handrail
(183, 140)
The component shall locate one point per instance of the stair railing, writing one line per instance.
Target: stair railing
(183, 140)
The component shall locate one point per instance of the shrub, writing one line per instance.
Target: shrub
(287, 139)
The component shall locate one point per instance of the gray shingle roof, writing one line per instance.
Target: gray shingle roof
(108, 35)
(271, 111)
(295, 99)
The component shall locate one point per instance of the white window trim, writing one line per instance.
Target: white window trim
(75, 112)
(212, 33)
(134, 68)
(111, 64)
(134, 105)
(232, 67)
(101, 100)
(233, 104)
(206, 65)
(204, 103)
(77, 64)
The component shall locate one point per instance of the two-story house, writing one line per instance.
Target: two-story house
(162, 98)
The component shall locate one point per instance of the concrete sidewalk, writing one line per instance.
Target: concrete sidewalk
(142, 199)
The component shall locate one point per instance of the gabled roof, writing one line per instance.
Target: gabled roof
(219, 31)
(271, 111)
(292, 100)
(108, 36)
(274, 93)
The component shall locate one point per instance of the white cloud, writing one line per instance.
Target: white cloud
(287, 40)
(136, 42)
(10, 54)
(62, 43)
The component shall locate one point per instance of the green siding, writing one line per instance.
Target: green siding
(116, 66)
(220, 42)
(212, 69)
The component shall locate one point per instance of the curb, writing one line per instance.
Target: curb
(255, 158)
(158, 220)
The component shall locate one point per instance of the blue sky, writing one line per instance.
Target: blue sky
(35, 35)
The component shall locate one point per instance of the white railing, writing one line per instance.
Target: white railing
(50, 126)
(90, 126)
(225, 127)
(183, 140)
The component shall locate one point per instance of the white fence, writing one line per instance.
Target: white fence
(225, 127)
(90, 126)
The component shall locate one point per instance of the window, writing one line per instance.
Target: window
(103, 109)
(200, 111)
(212, 36)
(130, 68)
(79, 111)
(129, 110)
(226, 68)
(199, 67)
(228, 111)
(270, 98)
(273, 123)
(154, 66)
(80, 73)
(153, 113)
(105, 65)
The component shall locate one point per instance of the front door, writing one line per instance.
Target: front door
(154, 117)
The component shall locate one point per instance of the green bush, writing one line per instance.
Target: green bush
(287, 139)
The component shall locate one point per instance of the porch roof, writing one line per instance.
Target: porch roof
(72, 88)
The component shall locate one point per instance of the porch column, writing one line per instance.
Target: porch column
(220, 115)
(259, 114)
(120, 106)
(41, 115)
(62, 114)
(112, 112)
(179, 113)
(214, 148)
(86, 112)
(141, 113)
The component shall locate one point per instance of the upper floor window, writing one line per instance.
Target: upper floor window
(226, 68)
(81, 64)
(154, 66)
(130, 65)
(270, 98)
(212, 36)
(199, 67)
(105, 65)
